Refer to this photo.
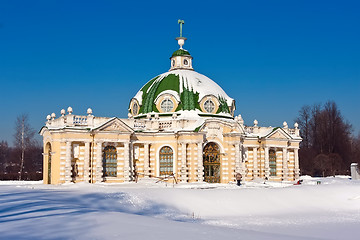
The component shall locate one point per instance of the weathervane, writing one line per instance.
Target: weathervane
(181, 39)
(181, 22)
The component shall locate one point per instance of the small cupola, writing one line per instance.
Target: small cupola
(181, 58)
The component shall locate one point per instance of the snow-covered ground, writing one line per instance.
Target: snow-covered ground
(149, 210)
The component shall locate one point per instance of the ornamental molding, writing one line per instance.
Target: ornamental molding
(114, 125)
(278, 134)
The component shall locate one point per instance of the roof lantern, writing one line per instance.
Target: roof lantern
(181, 58)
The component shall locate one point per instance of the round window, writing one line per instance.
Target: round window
(135, 109)
(209, 106)
(186, 62)
(166, 105)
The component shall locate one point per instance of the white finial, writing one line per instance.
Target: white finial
(48, 117)
(148, 116)
(296, 125)
(181, 42)
(174, 116)
(53, 116)
(156, 116)
(129, 115)
(70, 110)
(62, 112)
(285, 124)
(255, 122)
(89, 111)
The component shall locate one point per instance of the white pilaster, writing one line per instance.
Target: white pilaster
(243, 155)
(146, 160)
(255, 163)
(246, 159)
(267, 165)
(183, 163)
(284, 164)
(200, 168)
(237, 158)
(127, 161)
(99, 165)
(297, 169)
(68, 162)
(86, 162)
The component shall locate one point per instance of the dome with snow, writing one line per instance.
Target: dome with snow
(182, 91)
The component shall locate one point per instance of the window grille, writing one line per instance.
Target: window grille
(272, 162)
(211, 158)
(166, 105)
(166, 161)
(209, 106)
(110, 161)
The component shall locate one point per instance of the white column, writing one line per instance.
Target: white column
(246, 159)
(99, 160)
(237, 159)
(86, 162)
(127, 161)
(183, 163)
(284, 164)
(267, 166)
(255, 163)
(68, 162)
(297, 169)
(146, 160)
(200, 168)
(242, 161)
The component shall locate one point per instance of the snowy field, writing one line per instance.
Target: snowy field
(149, 210)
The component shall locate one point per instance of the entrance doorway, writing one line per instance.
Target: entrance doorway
(74, 169)
(211, 158)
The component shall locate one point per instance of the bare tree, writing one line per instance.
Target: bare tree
(4, 152)
(23, 138)
(304, 124)
(328, 145)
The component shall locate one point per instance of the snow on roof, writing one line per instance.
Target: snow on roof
(194, 81)
(171, 92)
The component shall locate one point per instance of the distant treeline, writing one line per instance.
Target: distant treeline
(23, 161)
(328, 146)
(10, 161)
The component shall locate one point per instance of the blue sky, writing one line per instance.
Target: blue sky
(272, 57)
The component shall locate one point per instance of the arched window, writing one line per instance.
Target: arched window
(272, 162)
(135, 109)
(166, 161)
(211, 161)
(167, 105)
(110, 161)
(209, 106)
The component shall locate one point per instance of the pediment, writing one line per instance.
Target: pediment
(278, 134)
(115, 125)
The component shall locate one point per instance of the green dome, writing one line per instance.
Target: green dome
(187, 87)
(181, 52)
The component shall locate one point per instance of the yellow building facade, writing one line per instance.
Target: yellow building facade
(181, 126)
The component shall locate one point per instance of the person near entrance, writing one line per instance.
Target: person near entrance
(238, 179)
